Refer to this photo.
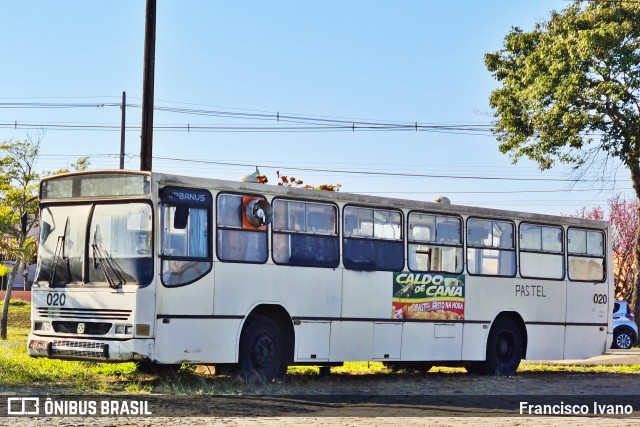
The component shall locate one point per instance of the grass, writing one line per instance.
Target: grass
(18, 371)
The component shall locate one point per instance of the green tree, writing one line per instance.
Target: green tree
(19, 205)
(570, 91)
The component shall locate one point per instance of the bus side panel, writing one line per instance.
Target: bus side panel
(312, 341)
(304, 291)
(543, 342)
(588, 311)
(351, 341)
(587, 302)
(196, 340)
(367, 294)
(192, 299)
(583, 342)
(474, 342)
(431, 341)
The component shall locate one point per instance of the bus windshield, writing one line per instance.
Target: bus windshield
(102, 244)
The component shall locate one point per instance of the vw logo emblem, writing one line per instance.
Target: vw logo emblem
(80, 328)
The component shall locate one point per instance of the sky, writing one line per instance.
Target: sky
(248, 84)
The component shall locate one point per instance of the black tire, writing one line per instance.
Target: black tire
(622, 338)
(262, 351)
(504, 350)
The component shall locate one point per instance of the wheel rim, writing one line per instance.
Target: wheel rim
(263, 352)
(623, 341)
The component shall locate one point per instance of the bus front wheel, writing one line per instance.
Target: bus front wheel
(262, 351)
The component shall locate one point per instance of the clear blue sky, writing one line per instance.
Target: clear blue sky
(399, 61)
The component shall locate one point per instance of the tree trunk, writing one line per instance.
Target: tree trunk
(5, 307)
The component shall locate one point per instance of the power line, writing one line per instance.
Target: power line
(231, 128)
(393, 174)
(311, 123)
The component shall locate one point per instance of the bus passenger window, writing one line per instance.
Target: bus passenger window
(490, 248)
(185, 246)
(237, 240)
(435, 243)
(372, 239)
(541, 253)
(305, 234)
(586, 255)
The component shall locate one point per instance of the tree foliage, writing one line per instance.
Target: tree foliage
(571, 87)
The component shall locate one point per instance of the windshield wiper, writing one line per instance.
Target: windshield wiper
(56, 257)
(106, 264)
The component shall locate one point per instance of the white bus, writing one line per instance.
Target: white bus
(169, 270)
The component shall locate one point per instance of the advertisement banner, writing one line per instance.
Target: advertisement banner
(428, 296)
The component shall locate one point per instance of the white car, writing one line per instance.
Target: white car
(625, 330)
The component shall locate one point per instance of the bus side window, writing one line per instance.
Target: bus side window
(435, 243)
(185, 216)
(305, 234)
(586, 255)
(372, 239)
(541, 252)
(236, 242)
(490, 248)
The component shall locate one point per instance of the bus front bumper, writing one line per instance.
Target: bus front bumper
(73, 348)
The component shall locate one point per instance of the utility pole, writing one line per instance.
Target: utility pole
(122, 128)
(146, 142)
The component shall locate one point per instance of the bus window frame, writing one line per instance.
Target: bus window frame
(208, 258)
(336, 234)
(562, 254)
(226, 227)
(401, 240)
(603, 257)
(467, 246)
(86, 248)
(408, 241)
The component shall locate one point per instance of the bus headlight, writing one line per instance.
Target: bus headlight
(42, 326)
(124, 329)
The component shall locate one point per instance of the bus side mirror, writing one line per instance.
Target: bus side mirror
(181, 217)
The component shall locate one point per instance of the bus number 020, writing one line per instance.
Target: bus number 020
(56, 299)
(600, 298)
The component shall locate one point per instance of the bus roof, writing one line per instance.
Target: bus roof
(345, 197)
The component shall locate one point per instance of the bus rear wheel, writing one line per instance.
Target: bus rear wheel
(504, 347)
(262, 357)
(504, 350)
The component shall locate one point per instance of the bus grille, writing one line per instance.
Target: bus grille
(90, 328)
(80, 349)
(83, 313)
